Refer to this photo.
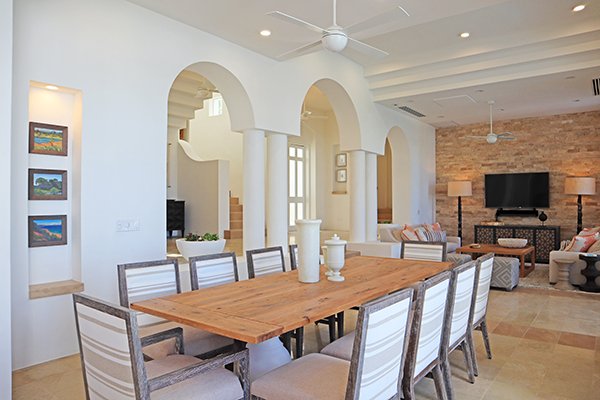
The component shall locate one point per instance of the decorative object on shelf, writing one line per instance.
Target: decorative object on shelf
(195, 245)
(48, 139)
(514, 243)
(47, 184)
(340, 175)
(543, 217)
(341, 160)
(47, 230)
(334, 258)
(307, 237)
(475, 246)
(580, 185)
(460, 189)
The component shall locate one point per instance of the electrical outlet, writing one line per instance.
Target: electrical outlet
(128, 225)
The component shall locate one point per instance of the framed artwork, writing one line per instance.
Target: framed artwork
(47, 184)
(48, 139)
(340, 160)
(47, 230)
(340, 175)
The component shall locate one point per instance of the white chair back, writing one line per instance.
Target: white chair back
(463, 298)
(486, 264)
(427, 251)
(265, 261)
(213, 270)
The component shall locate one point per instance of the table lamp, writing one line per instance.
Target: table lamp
(459, 189)
(580, 185)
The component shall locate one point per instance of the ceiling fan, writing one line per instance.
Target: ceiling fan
(335, 38)
(492, 137)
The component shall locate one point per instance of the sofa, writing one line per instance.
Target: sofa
(389, 246)
(575, 276)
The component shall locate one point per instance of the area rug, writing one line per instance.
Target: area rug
(538, 279)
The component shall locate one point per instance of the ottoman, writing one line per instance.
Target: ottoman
(505, 274)
(458, 259)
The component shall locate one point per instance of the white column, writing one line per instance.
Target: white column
(356, 187)
(277, 191)
(371, 196)
(254, 189)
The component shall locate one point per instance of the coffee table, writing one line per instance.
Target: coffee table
(520, 252)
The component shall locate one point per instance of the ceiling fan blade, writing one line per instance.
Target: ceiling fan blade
(299, 50)
(366, 48)
(504, 134)
(384, 18)
(475, 137)
(297, 21)
(506, 138)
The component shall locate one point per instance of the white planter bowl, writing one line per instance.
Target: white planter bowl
(512, 242)
(192, 249)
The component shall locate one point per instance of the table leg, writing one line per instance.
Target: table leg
(340, 324)
(522, 266)
(533, 260)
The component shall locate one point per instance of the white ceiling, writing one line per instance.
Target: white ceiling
(533, 57)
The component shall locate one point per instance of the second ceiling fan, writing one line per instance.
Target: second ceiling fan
(492, 137)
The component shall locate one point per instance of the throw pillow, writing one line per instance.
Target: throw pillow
(595, 248)
(589, 231)
(409, 234)
(397, 234)
(421, 233)
(582, 243)
(435, 236)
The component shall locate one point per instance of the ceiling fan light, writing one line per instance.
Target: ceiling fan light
(335, 41)
(491, 138)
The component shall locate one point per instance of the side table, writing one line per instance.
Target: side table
(564, 269)
(590, 272)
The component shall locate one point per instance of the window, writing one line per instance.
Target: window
(296, 191)
(215, 106)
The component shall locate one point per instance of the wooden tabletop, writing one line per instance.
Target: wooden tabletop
(265, 307)
(497, 249)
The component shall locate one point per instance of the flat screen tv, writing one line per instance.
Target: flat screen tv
(523, 190)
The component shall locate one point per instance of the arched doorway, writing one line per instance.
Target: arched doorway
(384, 185)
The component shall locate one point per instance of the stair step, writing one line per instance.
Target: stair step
(234, 200)
(236, 224)
(233, 234)
(236, 208)
(236, 216)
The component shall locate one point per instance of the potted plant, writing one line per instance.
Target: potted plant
(196, 245)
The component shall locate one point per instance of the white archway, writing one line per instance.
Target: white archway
(402, 177)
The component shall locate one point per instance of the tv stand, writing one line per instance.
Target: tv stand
(517, 211)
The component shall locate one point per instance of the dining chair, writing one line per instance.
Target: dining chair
(113, 365)
(146, 280)
(333, 322)
(375, 368)
(269, 261)
(427, 251)
(425, 349)
(459, 327)
(213, 270)
(479, 309)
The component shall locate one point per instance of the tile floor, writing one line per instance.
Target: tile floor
(545, 344)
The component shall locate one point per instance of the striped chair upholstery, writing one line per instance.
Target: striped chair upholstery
(479, 309)
(113, 367)
(151, 279)
(374, 371)
(213, 270)
(427, 251)
(461, 296)
(293, 256)
(426, 340)
(265, 261)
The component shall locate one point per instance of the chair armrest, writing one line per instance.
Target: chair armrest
(241, 358)
(454, 239)
(176, 333)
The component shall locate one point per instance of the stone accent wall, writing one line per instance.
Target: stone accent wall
(563, 145)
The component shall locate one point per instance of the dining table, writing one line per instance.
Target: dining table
(253, 311)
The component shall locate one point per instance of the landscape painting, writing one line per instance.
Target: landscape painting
(48, 139)
(47, 184)
(47, 230)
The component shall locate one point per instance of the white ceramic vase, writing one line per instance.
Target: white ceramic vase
(335, 258)
(307, 237)
(195, 248)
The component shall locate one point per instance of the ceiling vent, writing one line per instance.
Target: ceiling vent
(411, 111)
(596, 84)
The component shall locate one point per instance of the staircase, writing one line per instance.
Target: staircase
(384, 215)
(236, 218)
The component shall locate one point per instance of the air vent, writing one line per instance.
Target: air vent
(411, 111)
(596, 84)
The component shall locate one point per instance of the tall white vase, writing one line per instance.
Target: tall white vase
(307, 237)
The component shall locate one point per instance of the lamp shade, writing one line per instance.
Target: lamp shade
(459, 188)
(580, 185)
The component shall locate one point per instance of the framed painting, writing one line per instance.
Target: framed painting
(340, 175)
(47, 184)
(48, 139)
(340, 160)
(47, 230)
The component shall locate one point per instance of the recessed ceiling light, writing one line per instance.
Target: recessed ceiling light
(51, 87)
(265, 33)
(579, 7)
(465, 35)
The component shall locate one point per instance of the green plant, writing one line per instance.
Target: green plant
(207, 237)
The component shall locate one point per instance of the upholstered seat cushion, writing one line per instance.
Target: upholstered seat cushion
(315, 376)
(505, 274)
(195, 341)
(458, 259)
(218, 384)
(341, 348)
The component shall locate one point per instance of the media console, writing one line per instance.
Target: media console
(545, 238)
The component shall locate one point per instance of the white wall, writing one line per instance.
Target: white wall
(124, 59)
(6, 34)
